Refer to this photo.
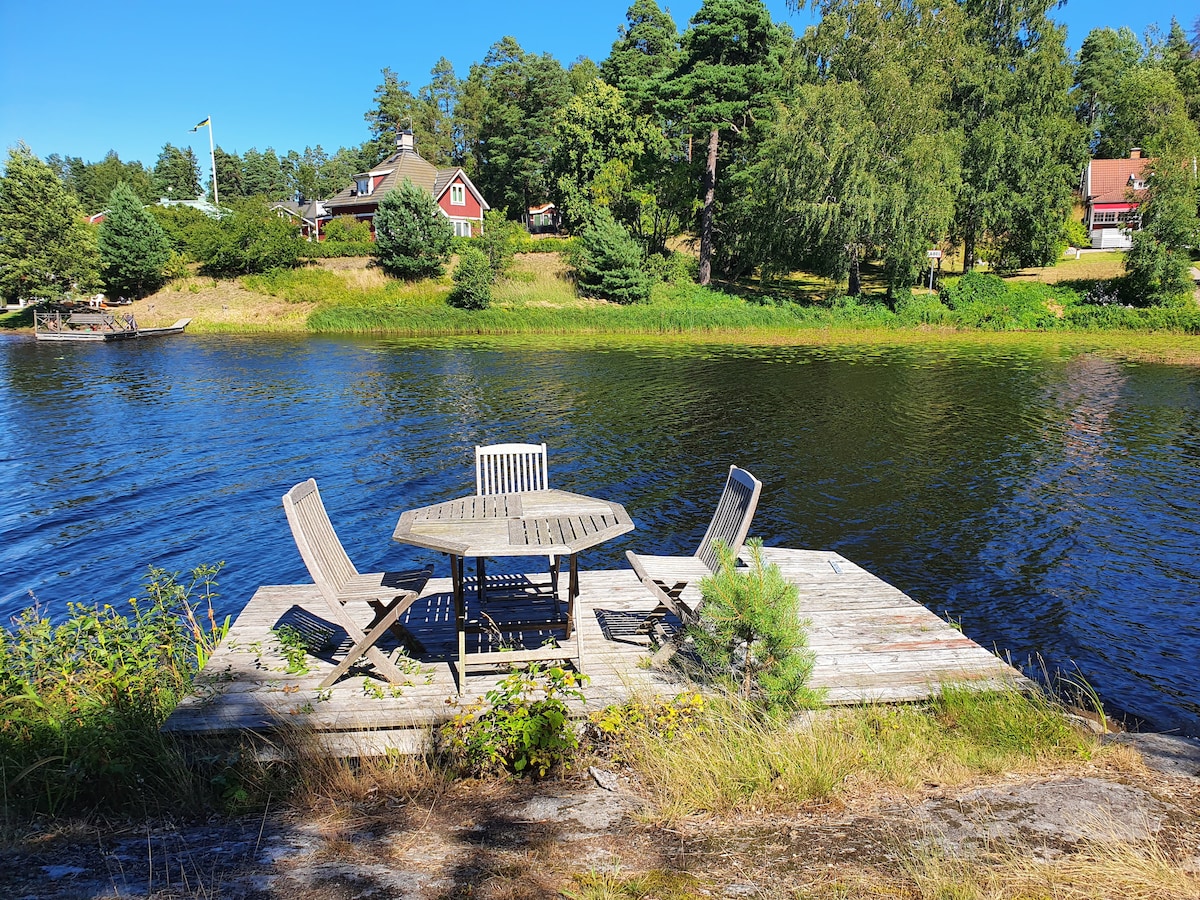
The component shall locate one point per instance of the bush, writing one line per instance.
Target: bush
(412, 237)
(472, 281)
(1076, 234)
(974, 288)
(750, 636)
(609, 262)
(250, 239)
(522, 726)
(84, 699)
(920, 309)
(674, 268)
(182, 225)
(347, 230)
(335, 249)
(500, 240)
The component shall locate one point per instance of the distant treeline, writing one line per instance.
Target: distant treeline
(891, 127)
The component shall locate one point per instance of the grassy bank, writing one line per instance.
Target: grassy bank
(1060, 305)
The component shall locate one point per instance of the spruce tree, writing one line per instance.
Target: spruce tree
(412, 237)
(609, 262)
(46, 249)
(134, 250)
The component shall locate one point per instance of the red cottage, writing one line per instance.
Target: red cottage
(1112, 193)
(456, 196)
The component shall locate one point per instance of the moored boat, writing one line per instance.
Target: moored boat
(94, 325)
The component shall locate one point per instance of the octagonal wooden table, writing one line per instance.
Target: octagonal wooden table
(531, 523)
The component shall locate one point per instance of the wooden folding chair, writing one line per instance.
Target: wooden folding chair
(673, 580)
(389, 594)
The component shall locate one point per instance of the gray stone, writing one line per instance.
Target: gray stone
(1167, 753)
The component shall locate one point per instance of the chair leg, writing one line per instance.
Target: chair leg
(365, 646)
(406, 638)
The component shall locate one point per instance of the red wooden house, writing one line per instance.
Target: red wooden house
(453, 191)
(1112, 192)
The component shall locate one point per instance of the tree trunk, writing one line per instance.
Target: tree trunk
(706, 211)
(854, 287)
(968, 248)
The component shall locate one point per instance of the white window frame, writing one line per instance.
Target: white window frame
(462, 229)
(363, 185)
(458, 195)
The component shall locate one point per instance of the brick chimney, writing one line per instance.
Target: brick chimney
(404, 141)
(1135, 153)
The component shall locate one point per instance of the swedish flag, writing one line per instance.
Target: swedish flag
(200, 125)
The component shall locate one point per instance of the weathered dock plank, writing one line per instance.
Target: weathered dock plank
(872, 643)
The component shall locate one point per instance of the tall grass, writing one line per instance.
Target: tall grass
(84, 699)
(727, 758)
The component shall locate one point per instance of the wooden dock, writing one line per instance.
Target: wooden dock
(871, 641)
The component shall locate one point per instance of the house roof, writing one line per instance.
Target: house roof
(1111, 180)
(400, 165)
(404, 163)
(311, 210)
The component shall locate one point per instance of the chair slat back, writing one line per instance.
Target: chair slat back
(731, 521)
(509, 468)
(322, 552)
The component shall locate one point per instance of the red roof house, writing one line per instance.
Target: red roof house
(456, 196)
(1113, 190)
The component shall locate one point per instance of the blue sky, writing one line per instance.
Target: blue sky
(132, 76)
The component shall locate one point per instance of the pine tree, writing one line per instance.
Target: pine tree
(176, 173)
(412, 237)
(134, 250)
(728, 76)
(46, 249)
(609, 262)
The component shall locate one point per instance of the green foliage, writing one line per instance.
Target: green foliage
(92, 183)
(500, 241)
(921, 309)
(990, 303)
(293, 647)
(512, 98)
(249, 239)
(609, 262)
(336, 249)
(182, 225)
(347, 229)
(672, 268)
(46, 250)
(412, 237)
(84, 698)
(472, 281)
(521, 727)
(750, 635)
(177, 173)
(134, 250)
(1158, 264)
(1075, 233)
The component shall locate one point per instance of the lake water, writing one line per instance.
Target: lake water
(1048, 500)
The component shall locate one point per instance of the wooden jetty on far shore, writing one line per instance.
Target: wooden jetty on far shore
(872, 644)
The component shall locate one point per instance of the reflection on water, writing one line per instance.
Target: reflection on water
(1046, 500)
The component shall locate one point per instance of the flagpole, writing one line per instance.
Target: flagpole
(212, 155)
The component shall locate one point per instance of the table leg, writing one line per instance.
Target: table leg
(572, 592)
(460, 615)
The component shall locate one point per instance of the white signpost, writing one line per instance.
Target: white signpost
(933, 255)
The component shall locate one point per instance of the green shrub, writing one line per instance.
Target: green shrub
(974, 288)
(500, 241)
(249, 239)
(609, 262)
(182, 226)
(412, 237)
(84, 699)
(347, 230)
(921, 309)
(522, 726)
(750, 635)
(1076, 234)
(674, 268)
(472, 281)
